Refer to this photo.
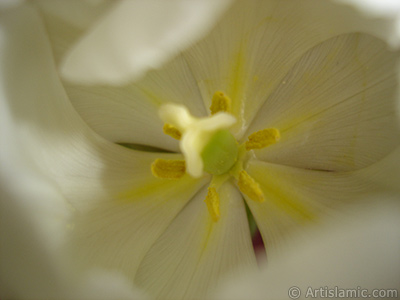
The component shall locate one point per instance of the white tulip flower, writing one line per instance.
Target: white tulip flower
(119, 119)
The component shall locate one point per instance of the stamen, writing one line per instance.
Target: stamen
(212, 201)
(172, 131)
(220, 102)
(168, 169)
(249, 187)
(262, 138)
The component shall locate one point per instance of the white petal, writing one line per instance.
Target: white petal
(6, 4)
(33, 221)
(100, 285)
(36, 123)
(124, 115)
(385, 174)
(95, 176)
(114, 228)
(248, 54)
(386, 12)
(194, 253)
(77, 13)
(337, 109)
(378, 7)
(33, 217)
(298, 197)
(67, 21)
(129, 113)
(356, 252)
(137, 36)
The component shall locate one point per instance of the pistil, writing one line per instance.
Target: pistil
(220, 153)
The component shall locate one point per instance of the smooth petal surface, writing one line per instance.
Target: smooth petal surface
(61, 144)
(100, 285)
(33, 215)
(38, 130)
(386, 11)
(77, 13)
(258, 42)
(337, 108)
(194, 253)
(137, 36)
(116, 202)
(110, 188)
(7, 4)
(116, 231)
(67, 21)
(33, 261)
(129, 114)
(254, 47)
(377, 7)
(299, 197)
(357, 253)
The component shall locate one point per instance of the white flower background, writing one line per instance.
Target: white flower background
(83, 217)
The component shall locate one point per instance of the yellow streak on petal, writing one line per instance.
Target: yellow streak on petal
(291, 204)
(262, 138)
(157, 188)
(144, 190)
(291, 201)
(220, 102)
(249, 187)
(212, 201)
(238, 76)
(172, 131)
(168, 169)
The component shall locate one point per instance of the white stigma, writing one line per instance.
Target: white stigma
(196, 132)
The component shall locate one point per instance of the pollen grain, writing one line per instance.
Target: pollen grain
(262, 138)
(249, 187)
(220, 102)
(168, 169)
(212, 201)
(172, 131)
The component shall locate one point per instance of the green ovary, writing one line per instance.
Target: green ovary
(220, 153)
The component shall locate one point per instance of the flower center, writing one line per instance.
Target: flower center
(209, 146)
(220, 153)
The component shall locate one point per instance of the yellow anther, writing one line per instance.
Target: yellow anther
(262, 138)
(220, 102)
(212, 201)
(249, 187)
(168, 169)
(172, 131)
